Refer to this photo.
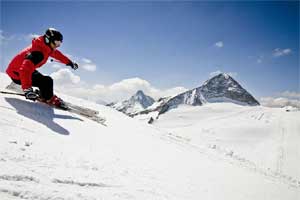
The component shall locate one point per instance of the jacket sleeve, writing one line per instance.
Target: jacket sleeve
(27, 67)
(59, 56)
(26, 70)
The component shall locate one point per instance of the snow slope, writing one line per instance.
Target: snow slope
(47, 153)
(268, 137)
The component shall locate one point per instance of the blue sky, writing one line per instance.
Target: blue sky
(167, 44)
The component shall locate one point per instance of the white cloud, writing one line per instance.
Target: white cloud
(68, 83)
(130, 84)
(86, 60)
(65, 77)
(289, 94)
(30, 36)
(281, 52)
(84, 63)
(279, 102)
(215, 73)
(283, 99)
(219, 44)
(128, 87)
(1, 35)
(4, 38)
(260, 59)
(172, 91)
(17, 37)
(88, 67)
(56, 66)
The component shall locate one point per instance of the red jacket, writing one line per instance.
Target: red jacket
(21, 68)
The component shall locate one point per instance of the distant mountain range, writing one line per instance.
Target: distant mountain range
(220, 88)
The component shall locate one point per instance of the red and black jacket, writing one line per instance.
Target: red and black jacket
(29, 59)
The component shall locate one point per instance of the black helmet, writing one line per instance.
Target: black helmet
(52, 35)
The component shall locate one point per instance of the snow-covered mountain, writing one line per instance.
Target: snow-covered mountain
(136, 103)
(223, 88)
(220, 88)
(190, 154)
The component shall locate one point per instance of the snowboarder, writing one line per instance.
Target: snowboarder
(22, 68)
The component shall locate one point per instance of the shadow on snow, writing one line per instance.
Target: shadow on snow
(40, 113)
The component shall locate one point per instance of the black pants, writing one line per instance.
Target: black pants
(44, 83)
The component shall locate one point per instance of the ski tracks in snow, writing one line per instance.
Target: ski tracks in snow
(30, 180)
(281, 151)
(32, 187)
(216, 152)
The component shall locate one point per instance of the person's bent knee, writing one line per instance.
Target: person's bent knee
(48, 81)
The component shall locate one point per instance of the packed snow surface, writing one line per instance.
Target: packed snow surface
(268, 137)
(47, 153)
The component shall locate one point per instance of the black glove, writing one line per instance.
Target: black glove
(73, 65)
(31, 94)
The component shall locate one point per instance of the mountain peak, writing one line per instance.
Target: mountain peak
(139, 95)
(142, 99)
(222, 76)
(138, 102)
(219, 77)
(222, 80)
(224, 88)
(220, 88)
(225, 75)
(139, 92)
